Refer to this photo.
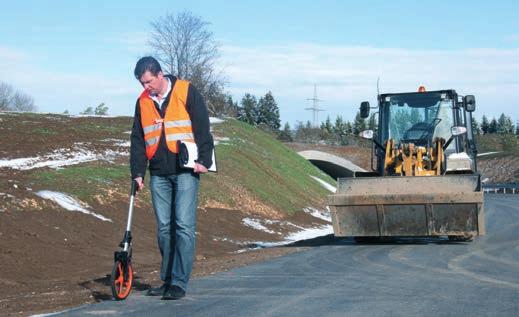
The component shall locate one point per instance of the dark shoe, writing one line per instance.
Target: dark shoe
(174, 292)
(157, 291)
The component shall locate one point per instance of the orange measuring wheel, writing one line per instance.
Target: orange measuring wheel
(122, 272)
(121, 280)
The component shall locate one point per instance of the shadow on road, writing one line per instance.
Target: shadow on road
(104, 283)
(332, 240)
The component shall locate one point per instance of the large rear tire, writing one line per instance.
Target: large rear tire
(121, 279)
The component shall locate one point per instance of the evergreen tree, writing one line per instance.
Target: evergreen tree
(286, 134)
(340, 128)
(475, 126)
(248, 110)
(492, 127)
(504, 125)
(359, 124)
(87, 111)
(268, 112)
(348, 127)
(327, 125)
(101, 110)
(372, 123)
(230, 107)
(484, 125)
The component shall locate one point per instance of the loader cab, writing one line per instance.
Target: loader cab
(421, 117)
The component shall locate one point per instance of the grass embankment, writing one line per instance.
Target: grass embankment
(253, 168)
(506, 144)
(254, 161)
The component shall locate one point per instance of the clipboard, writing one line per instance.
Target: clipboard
(188, 153)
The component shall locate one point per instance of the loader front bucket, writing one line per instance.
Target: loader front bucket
(449, 205)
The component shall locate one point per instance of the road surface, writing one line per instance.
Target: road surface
(342, 278)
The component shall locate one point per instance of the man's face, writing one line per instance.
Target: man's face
(151, 83)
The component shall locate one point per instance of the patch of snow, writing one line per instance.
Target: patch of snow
(118, 142)
(214, 120)
(225, 239)
(61, 157)
(218, 140)
(255, 224)
(127, 132)
(16, 163)
(487, 153)
(69, 203)
(93, 116)
(123, 144)
(325, 184)
(461, 155)
(110, 155)
(305, 234)
(310, 233)
(324, 215)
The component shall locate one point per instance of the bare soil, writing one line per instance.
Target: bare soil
(52, 259)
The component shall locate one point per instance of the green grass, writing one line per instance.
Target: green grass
(100, 128)
(251, 165)
(83, 180)
(505, 143)
(267, 169)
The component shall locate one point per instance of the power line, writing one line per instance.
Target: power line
(315, 107)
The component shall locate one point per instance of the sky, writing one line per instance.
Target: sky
(69, 55)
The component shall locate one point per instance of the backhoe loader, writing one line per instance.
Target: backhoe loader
(424, 180)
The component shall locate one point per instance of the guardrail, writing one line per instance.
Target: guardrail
(501, 188)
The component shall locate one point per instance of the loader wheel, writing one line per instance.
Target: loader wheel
(463, 238)
(121, 279)
(366, 239)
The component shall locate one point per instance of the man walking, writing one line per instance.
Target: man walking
(168, 110)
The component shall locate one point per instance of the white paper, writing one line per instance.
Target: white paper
(192, 151)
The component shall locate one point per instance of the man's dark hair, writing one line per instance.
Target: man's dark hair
(146, 64)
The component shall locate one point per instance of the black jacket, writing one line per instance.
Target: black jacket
(165, 162)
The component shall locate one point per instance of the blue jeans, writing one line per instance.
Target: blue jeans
(174, 199)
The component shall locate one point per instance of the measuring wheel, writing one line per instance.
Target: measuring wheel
(122, 279)
(122, 272)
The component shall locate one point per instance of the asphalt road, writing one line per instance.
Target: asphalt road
(342, 278)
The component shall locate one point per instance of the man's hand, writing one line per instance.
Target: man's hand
(140, 183)
(199, 168)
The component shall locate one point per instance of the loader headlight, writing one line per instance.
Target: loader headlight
(458, 130)
(366, 134)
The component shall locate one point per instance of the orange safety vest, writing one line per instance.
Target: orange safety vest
(176, 120)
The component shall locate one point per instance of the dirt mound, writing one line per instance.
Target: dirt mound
(63, 209)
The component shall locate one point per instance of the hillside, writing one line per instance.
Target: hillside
(64, 202)
(498, 162)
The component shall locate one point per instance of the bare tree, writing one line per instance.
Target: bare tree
(186, 48)
(23, 102)
(6, 94)
(15, 100)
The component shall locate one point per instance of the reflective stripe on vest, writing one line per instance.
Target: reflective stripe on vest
(179, 136)
(176, 121)
(151, 128)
